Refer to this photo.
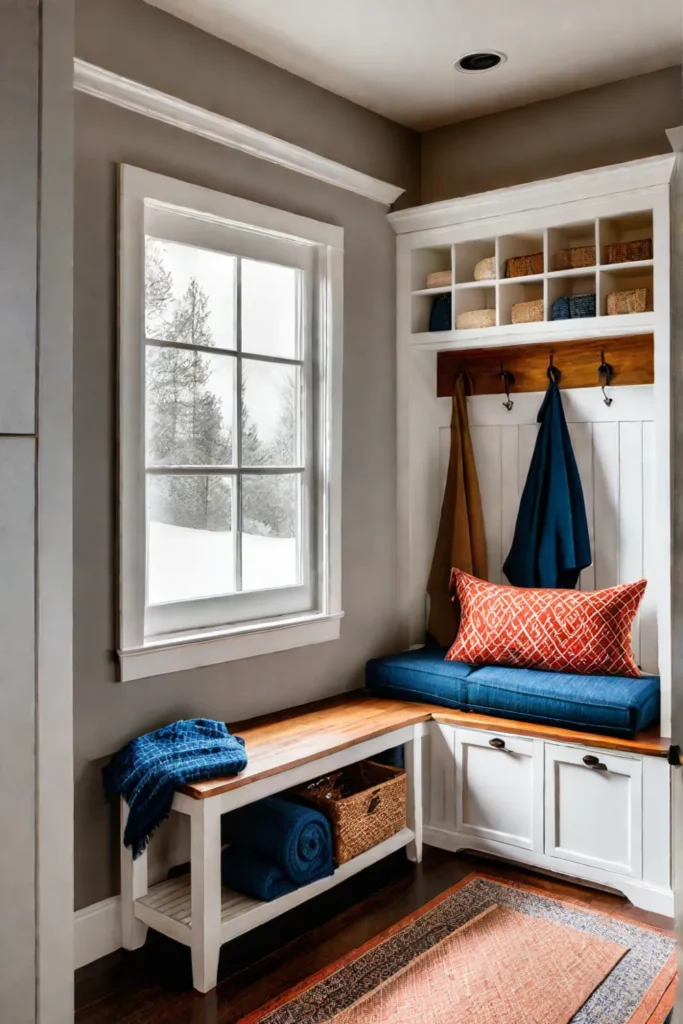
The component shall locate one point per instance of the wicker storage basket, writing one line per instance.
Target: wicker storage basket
(572, 259)
(527, 312)
(440, 279)
(628, 252)
(476, 318)
(365, 803)
(522, 266)
(485, 270)
(635, 300)
(573, 307)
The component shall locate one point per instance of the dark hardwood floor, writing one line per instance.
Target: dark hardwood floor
(153, 985)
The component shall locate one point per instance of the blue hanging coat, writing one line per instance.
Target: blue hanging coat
(551, 544)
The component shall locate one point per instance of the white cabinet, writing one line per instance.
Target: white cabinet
(594, 815)
(499, 788)
(593, 809)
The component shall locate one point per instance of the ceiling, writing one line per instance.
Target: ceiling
(396, 56)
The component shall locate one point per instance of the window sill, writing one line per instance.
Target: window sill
(177, 654)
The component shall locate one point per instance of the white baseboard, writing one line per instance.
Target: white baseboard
(97, 931)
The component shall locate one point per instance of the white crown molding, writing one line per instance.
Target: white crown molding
(675, 137)
(142, 99)
(636, 174)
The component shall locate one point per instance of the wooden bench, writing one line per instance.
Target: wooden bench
(284, 751)
(292, 747)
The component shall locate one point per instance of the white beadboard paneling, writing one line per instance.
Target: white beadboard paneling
(648, 609)
(614, 449)
(486, 442)
(510, 485)
(581, 435)
(606, 507)
(631, 500)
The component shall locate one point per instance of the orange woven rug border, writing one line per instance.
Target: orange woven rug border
(653, 1008)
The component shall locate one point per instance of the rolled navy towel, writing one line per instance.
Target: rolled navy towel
(297, 839)
(254, 876)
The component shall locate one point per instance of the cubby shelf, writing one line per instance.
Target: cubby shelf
(501, 293)
(550, 330)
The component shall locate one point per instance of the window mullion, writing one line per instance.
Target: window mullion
(237, 509)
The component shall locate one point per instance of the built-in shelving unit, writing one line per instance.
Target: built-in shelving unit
(623, 447)
(502, 293)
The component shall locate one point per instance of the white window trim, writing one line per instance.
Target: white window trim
(139, 657)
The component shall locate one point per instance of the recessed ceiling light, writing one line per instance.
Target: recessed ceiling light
(477, 63)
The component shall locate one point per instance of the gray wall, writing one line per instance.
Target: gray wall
(125, 35)
(592, 128)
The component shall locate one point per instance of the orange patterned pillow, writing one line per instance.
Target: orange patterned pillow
(587, 632)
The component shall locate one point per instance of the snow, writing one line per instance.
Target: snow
(186, 564)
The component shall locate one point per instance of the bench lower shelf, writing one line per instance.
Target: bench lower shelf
(167, 907)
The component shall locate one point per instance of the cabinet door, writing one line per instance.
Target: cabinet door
(594, 808)
(499, 788)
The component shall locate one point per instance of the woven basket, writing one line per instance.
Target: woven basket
(628, 252)
(572, 259)
(573, 307)
(522, 266)
(440, 279)
(635, 300)
(527, 312)
(485, 270)
(365, 803)
(476, 318)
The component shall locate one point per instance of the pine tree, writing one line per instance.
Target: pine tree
(286, 453)
(186, 421)
(158, 290)
(269, 501)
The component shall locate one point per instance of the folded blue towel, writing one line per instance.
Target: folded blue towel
(149, 770)
(295, 838)
(248, 873)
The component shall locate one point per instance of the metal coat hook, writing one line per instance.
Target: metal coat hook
(553, 372)
(508, 380)
(605, 371)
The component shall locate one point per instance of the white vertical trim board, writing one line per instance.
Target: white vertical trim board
(143, 99)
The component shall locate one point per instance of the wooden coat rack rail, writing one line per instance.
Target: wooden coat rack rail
(630, 360)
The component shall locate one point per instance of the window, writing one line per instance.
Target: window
(230, 362)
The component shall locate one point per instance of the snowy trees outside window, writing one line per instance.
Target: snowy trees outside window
(224, 423)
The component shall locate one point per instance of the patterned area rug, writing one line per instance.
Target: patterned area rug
(485, 952)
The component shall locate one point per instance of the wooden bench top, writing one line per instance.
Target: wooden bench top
(276, 743)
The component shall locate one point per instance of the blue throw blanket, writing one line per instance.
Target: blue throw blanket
(253, 875)
(296, 840)
(149, 770)
(551, 544)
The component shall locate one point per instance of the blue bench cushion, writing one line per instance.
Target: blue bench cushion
(611, 705)
(420, 675)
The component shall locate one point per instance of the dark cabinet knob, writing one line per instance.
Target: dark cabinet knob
(497, 743)
(591, 760)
